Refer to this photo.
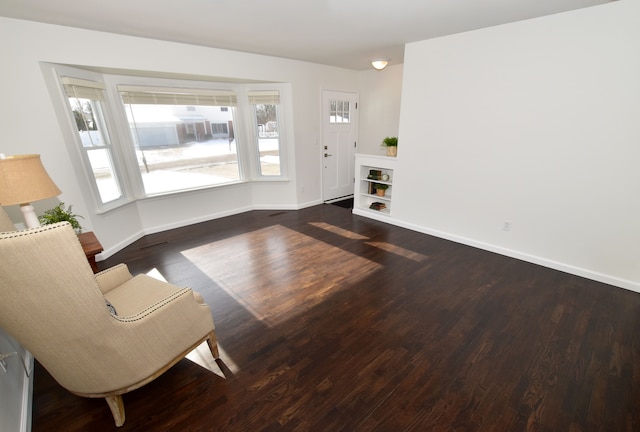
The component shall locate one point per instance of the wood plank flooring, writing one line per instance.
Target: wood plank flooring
(333, 322)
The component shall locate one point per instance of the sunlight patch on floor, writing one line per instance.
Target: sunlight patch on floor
(276, 273)
(202, 357)
(388, 247)
(155, 273)
(340, 231)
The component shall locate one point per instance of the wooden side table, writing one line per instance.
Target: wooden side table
(91, 247)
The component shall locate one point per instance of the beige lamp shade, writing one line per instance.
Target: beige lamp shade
(23, 180)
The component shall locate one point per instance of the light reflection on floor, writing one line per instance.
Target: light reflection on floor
(201, 355)
(275, 270)
(265, 272)
(340, 231)
(414, 256)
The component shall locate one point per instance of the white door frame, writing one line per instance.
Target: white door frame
(338, 147)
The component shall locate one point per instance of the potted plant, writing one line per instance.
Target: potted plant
(60, 214)
(391, 143)
(381, 189)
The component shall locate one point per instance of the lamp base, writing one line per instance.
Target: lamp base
(29, 214)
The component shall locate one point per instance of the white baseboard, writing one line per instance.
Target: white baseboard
(160, 228)
(589, 274)
(556, 265)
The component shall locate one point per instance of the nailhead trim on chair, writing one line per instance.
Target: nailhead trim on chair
(30, 231)
(110, 269)
(140, 315)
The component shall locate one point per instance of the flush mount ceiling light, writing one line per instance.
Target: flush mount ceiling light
(379, 63)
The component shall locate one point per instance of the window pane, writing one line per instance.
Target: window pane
(339, 111)
(183, 147)
(104, 173)
(85, 112)
(268, 139)
(91, 128)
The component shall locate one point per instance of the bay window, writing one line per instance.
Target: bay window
(141, 136)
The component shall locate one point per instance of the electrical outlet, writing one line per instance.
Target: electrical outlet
(506, 226)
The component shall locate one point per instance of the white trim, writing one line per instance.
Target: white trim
(186, 222)
(27, 395)
(342, 198)
(54, 74)
(556, 265)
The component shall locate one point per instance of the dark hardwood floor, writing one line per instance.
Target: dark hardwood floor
(333, 322)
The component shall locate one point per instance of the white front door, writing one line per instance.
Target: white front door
(339, 141)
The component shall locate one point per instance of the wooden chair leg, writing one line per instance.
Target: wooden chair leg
(117, 409)
(213, 345)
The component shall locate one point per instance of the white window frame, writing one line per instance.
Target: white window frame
(122, 149)
(114, 82)
(73, 140)
(284, 132)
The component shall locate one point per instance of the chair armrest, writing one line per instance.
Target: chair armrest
(152, 338)
(179, 304)
(113, 277)
(157, 326)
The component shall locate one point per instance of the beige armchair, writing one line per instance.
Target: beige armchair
(98, 335)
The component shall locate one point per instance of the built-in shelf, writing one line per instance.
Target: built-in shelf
(374, 173)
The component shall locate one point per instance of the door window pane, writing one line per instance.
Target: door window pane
(339, 111)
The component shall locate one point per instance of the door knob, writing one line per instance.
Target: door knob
(327, 155)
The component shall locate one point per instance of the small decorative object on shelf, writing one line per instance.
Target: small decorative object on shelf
(374, 174)
(377, 206)
(381, 188)
(59, 214)
(391, 143)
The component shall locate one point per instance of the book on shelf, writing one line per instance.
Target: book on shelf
(377, 206)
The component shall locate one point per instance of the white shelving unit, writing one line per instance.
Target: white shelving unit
(372, 171)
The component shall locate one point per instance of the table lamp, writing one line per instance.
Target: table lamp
(23, 180)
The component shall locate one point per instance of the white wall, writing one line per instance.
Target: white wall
(379, 110)
(16, 388)
(30, 124)
(535, 123)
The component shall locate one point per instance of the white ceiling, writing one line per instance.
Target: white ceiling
(345, 33)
